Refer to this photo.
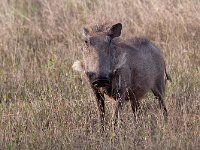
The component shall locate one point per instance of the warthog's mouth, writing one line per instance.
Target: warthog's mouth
(101, 82)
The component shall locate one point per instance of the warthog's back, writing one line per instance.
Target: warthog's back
(143, 66)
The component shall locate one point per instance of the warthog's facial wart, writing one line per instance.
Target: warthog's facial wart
(122, 61)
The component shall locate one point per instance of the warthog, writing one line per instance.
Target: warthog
(122, 69)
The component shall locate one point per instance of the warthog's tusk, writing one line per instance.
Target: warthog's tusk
(78, 66)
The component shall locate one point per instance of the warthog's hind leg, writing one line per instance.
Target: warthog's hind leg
(160, 98)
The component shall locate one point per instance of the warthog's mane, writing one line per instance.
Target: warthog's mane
(138, 41)
(104, 27)
(99, 28)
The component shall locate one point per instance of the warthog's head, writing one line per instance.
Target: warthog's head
(97, 55)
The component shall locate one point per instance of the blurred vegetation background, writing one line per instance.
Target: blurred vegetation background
(46, 105)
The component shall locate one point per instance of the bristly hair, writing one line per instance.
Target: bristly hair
(99, 28)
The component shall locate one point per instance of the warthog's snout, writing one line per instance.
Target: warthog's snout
(101, 82)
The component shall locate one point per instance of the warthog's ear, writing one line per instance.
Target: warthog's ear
(78, 66)
(115, 30)
(85, 33)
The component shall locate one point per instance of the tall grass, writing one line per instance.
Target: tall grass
(45, 105)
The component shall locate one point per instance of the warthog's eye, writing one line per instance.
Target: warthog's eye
(87, 42)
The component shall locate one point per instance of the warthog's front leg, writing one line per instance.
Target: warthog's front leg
(118, 108)
(135, 107)
(117, 112)
(100, 106)
(120, 92)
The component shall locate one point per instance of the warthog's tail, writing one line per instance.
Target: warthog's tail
(168, 77)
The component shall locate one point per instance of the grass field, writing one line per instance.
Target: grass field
(44, 104)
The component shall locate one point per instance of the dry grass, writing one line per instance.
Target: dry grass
(45, 105)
